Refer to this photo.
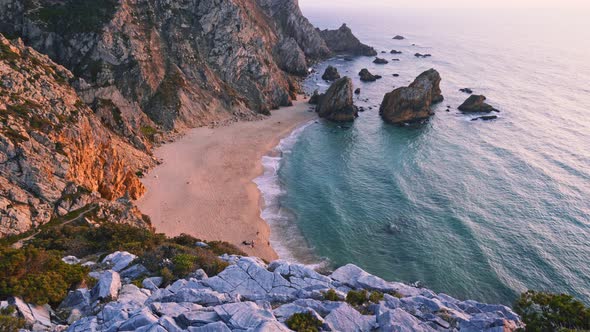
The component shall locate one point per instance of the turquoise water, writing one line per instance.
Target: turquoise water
(480, 210)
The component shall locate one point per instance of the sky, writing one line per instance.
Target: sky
(450, 3)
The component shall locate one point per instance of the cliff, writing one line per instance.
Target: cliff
(135, 72)
(55, 155)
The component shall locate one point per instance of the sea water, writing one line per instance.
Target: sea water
(474, 209)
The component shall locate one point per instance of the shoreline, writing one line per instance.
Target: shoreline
(205, 186)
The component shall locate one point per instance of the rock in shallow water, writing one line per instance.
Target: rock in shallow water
(331, 74)
(412, 104)
(337, 103)
(476, 104)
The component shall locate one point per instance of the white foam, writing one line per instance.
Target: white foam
(286, 239)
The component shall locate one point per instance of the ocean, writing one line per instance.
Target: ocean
(473, 209)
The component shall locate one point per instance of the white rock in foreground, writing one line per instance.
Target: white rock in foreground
(239, 299)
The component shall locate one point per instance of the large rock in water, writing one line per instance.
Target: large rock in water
(476, 104)
(366, 75)
(331, 74)
(336, 104)
(412, 103)
(343, 41)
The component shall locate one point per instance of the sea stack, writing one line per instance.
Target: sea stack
(366, 75)
(336, 104)
(331, 74)
(476, 104)
(343, 41)
(412, 104)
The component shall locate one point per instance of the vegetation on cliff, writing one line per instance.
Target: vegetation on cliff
(37, 273)
(552, 312)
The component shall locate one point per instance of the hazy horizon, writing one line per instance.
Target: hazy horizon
(452, 4)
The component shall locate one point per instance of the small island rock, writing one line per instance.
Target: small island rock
(366, 75)
(331, 74)
(412, 104)
(336, 104)
(476, 104)
(398, 37)
(380, 61)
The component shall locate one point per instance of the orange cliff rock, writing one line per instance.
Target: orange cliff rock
(55, 155)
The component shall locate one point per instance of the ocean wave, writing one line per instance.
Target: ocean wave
(286, 238)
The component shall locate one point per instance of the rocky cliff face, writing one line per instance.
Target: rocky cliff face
(146, 69)
(250, 295)
(55, 155)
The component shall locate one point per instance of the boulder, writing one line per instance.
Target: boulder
(346, 318)
(366, 75)
(142, 318)
(336, 104)
(77, 300)
(466, 90)
(412, 104)
(357, 91)
(71, 260)
(400, 321)
(212, 327)
(107, 288)
(37, 317)
(119, 260)
(243, 315)
(152, 283)
(396, 52)
(380, 61)
(331, 74)
(419, 55)
(398, 37)
(476, 104)
(344, 42)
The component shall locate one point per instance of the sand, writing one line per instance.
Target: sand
(204, 185)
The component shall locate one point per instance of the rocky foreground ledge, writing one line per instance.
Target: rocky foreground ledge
(250, 295)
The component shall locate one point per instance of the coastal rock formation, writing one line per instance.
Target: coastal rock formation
(395, 52)
(343, 41)
(366, 75)
(476, 104)
(290, 57)
(240, 297)
(336, 104)
(380, 61)
(331, 74)
(398, 37)
(140, 72)
(466, 90)
(55, 155)
(357, 91)
(485, 118)
(315, 98)
(412, 104)
(420, 55)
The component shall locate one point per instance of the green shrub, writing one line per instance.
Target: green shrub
(331, 295)
(375, 297)
(357, 298)
(36, 275)
(8, 322)
(304, 322)
(184, 264)
(552, 312)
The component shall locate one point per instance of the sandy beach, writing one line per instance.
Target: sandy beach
(204, 186)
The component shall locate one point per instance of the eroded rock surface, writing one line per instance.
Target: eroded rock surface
(413, 103)
(337, 103)
(343, 41)
(239, 299)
